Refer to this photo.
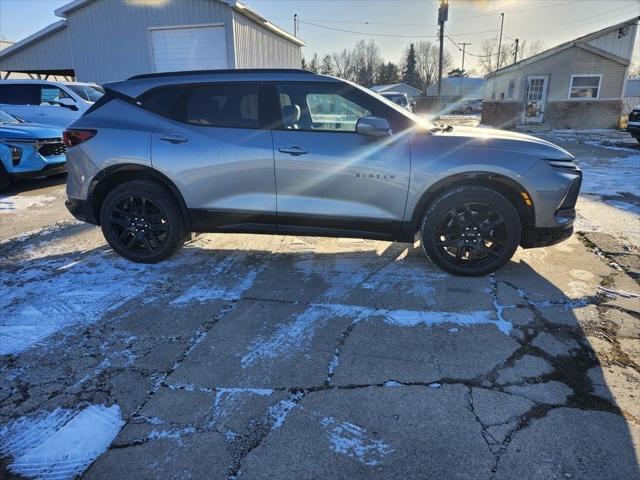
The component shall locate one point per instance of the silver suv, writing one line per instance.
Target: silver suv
(290, 152)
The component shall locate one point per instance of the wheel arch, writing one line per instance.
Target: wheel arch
(109, 178)
(504, 185)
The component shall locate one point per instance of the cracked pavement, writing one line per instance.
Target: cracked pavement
(250, 357)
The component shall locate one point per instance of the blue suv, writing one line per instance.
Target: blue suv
(29, 150)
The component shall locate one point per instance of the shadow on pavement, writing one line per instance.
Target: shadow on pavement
(265, 357)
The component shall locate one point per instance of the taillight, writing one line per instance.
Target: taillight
(71, 138)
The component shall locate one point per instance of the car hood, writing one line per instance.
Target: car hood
(28, 131)
(505, 140)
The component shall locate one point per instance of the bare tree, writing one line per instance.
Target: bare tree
(366, 59)
(489, 55)
(343, 66)
(427, 59)
(529, 49)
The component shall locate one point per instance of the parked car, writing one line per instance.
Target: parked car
(469, 106)
(278, 151)
(633, 123)
(399, 98)
(28, 150)
(48, 102)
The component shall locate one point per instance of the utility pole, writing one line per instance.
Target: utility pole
(295, 24)
(500, 41)
(515, 55)
(464, 47)
(443, 15)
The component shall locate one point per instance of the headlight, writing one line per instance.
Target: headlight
(16, 155)
(566, 165)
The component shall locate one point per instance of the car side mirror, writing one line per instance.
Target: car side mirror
(68, 103)
(373, 127)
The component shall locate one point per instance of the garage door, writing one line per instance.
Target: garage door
(189, 48)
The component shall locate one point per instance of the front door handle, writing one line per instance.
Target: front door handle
(295, 150)
(174, 138)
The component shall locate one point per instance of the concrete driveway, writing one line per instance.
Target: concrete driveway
(298, 357)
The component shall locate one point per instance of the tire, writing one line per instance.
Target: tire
(142, 222)
(470, 231)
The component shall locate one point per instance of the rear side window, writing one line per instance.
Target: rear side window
(210, 105)
(17, 94)
(217, 105)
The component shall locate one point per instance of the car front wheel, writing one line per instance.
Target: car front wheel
(471, 231)
(141, 221)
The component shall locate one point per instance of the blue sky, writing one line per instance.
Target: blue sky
(392, 23)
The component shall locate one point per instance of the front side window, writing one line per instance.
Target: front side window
(584, 86)
(90, 93)
(50, 95)
(330, 107)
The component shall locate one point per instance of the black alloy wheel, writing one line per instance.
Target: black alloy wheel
(142, 221)
(471, 230)
(139, 224)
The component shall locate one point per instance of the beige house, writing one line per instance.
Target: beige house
(578, 84)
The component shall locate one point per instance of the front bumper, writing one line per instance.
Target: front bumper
(49, 169)
(543, 237)
(81, 209)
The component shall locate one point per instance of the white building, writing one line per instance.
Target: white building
(108, 40)
(411, 92)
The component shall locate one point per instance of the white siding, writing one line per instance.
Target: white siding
(619, 42)
(112, 41)
(560, 66)
(52, 52)
(257, 47)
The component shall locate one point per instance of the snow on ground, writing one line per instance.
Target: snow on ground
(51, 293)
(352, 440)
(611, 176)
(59, 445)
(18, 203)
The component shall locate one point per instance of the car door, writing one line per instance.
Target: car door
(20, 99)
(212, 145)
(50, 111)
(327, 175)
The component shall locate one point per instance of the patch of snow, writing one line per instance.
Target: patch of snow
(611, 176)
(17, 203)
(454, 330)
(230, 395)
(435, 385)
(222, 282)
(61, 444)
(278, 412)
(175, 434)
(392, 383)
(352, 440)
(298, 334)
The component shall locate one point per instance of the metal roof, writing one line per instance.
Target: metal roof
(39, 35)
(237, 6)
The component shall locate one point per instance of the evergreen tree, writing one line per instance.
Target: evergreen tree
(314, 64)
(326, 68)
(409, 73)
(303, 64)
(388, 74)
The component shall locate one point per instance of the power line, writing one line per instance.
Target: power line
(391, 35)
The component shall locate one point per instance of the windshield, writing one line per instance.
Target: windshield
(90, 93)
(6, 118)
(412, 116)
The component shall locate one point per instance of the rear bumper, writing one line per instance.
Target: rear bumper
(82, 210)
(634, 130)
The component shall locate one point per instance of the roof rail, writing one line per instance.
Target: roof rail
(235, 71)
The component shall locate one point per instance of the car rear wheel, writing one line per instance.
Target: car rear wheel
(471, 231)
(141, 221)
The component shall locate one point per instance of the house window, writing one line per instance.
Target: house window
(511, 88)
(585, 86)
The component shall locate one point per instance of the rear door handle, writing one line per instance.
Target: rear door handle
(174, 138)
(295, 150)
